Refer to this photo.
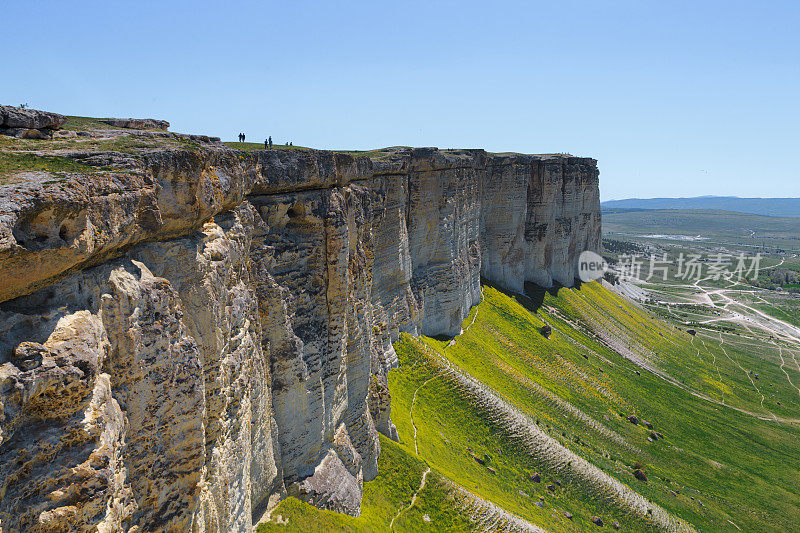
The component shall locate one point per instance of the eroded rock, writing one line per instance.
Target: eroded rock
(190, 336)
(29, 119)
(137, 123)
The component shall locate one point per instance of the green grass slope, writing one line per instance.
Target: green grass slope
(386, 498)
(736, 464)
(718, 464)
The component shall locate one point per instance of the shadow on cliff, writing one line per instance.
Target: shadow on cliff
(534, 294)
(533, 297)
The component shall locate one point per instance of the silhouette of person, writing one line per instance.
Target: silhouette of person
(266, 144)
(243, 137)
(270, 142)
(290, 143)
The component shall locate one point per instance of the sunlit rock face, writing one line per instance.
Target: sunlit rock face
(444, 211)
(188, 339)
(539, 214)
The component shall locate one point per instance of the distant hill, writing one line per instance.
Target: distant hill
(709, 223)
(740, 229)
(778, 207)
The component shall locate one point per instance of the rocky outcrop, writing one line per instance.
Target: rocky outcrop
(188, 336)
(137, 123)
(29, 123)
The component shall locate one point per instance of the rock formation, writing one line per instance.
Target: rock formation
(137, 123)
(186, 336)
(29, 123)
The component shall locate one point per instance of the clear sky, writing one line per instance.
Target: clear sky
(673, 98)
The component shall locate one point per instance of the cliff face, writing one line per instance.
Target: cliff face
(188, 336)
(538, 215)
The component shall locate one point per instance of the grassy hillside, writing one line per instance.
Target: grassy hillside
(522, 404)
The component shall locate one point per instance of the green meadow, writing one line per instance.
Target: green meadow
(720, 453)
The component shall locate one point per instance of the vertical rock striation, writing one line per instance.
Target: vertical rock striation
(185, 342)
(538, 215)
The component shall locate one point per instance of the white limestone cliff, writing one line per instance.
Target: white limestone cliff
(192, 336)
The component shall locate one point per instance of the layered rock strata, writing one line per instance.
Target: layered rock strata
(190, 336)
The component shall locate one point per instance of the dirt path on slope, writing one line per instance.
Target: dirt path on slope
(783, 363)
(411, 411)
(746, 373)
(413, 498)
(762, 321)
(713, 362)
(640, 361)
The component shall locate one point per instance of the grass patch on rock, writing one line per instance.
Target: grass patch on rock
(12, 163)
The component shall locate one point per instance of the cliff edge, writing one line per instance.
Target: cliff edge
(190, 332)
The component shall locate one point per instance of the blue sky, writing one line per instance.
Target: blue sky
(673, 98)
